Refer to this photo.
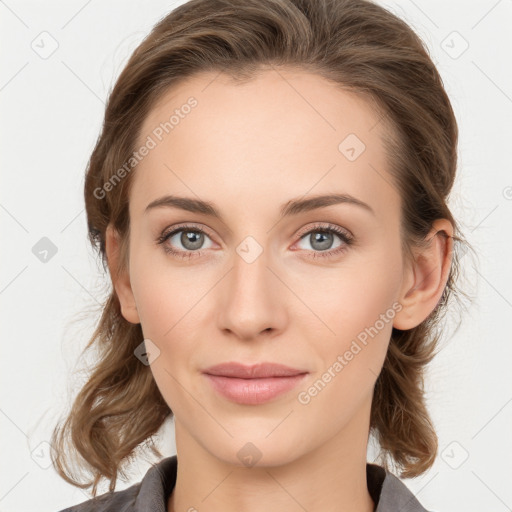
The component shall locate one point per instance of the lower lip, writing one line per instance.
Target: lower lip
(253, 391)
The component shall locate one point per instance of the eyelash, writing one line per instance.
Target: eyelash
(321, 228)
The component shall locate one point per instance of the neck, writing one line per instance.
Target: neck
(330, 478)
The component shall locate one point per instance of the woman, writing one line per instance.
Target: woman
(269, 194)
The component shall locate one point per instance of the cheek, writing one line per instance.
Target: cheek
(354, 296)
(358, 305)
(166, 314)
(165, 296)
(361, 316)
(170, 304)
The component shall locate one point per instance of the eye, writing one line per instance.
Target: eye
(190, 238)
(321, 240)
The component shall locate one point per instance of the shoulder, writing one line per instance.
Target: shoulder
(149, 494)
(119, 501)
(389, 492)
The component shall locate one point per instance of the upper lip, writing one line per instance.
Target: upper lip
(260, 370)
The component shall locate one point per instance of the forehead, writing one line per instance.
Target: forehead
(287, 94)
(283, 133)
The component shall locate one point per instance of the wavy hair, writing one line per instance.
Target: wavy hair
(361, 47)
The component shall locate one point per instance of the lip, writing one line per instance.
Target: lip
(255, 371)
(254, 384)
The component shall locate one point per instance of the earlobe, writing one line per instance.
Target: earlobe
(120, 280)
(426, 277)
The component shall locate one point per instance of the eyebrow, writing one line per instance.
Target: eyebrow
(292, 207)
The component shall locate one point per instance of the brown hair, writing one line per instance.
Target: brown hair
(361, 47)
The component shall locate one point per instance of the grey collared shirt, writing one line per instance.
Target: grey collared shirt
(388, 492)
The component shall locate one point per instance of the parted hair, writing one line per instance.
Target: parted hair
(361, 47)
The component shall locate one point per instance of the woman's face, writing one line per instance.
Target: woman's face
(259, 286)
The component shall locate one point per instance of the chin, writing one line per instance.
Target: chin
(252, 451)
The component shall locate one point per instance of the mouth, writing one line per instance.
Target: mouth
(255, 371)
(252, 385)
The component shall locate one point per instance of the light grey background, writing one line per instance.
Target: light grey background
(52, 108)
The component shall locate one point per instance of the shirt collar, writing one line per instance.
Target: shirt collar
(388, 492)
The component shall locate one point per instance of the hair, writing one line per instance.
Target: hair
(361, 47)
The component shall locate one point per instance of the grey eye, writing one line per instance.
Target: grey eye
(320, 240)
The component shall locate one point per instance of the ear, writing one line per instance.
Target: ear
(121, 280)
(425, 278)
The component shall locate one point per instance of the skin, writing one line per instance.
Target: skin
(250, 148)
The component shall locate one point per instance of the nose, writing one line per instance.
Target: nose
(252, 299)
